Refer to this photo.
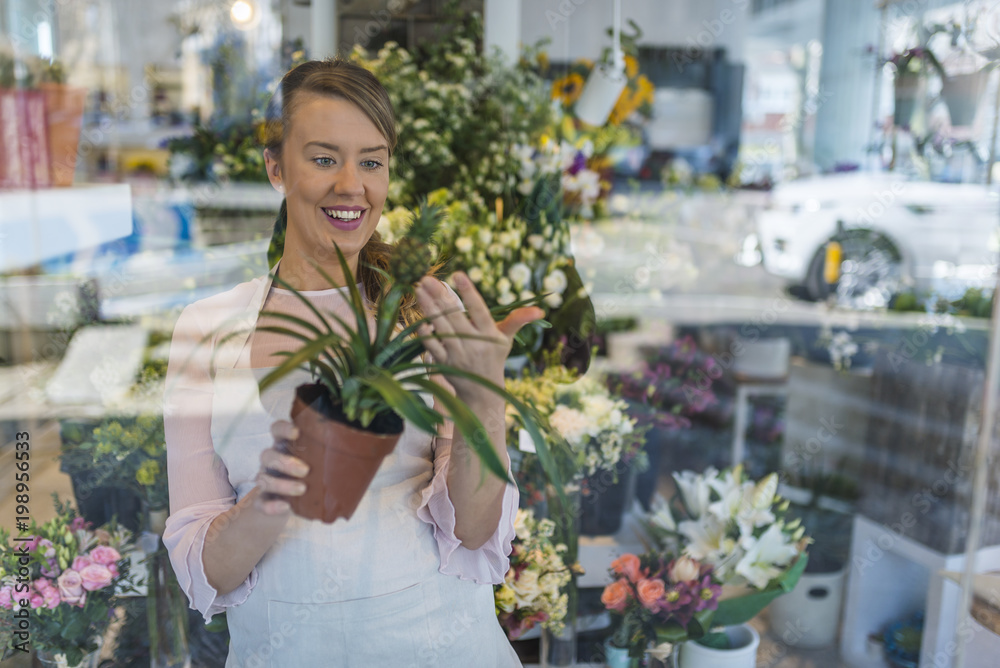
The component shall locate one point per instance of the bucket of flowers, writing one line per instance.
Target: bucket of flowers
(61, 580)
(532, 592)
(592, 435)
(738, 528)
(656, 599)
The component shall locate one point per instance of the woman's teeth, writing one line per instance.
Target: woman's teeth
(343, 215)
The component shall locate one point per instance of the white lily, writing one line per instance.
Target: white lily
(706, 539)
(766, 558)
(660, 515)
(695, 490)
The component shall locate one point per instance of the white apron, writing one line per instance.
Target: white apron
(358, 593)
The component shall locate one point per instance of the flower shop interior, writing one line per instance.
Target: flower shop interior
(759, 416)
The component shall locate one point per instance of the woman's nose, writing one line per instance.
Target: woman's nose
(349, 182)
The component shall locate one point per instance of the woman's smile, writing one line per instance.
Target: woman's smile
(346, 218)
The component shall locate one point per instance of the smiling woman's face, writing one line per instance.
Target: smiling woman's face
(334, 170)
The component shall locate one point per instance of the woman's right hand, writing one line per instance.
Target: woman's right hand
(280, 473)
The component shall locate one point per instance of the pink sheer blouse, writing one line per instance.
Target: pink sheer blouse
(200, 487)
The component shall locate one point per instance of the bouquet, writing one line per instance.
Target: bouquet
(654, 598)
(61, 581)
(738, 528)
(532, 589)
(590, 430)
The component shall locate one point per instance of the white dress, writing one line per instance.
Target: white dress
(388, 587)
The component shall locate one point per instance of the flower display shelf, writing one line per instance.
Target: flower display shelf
(890, 577)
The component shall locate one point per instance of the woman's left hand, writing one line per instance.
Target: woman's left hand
(469, 340)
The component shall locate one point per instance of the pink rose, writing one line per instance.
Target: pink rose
(650, 592)
(71, 587)
(683, 569)
(114, 570)
(615, 595)
(51, 596)
(95, 576)
(7, 597)
(80, 563)
(627, 565)
(102, 554)
(36, 600)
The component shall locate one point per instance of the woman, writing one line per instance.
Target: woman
(407, 581)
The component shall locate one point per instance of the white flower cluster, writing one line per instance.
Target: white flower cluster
(594, 424)
(730, 523)
(505, 262)
(537, 573)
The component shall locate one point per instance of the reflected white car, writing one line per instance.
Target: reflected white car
(894, 233)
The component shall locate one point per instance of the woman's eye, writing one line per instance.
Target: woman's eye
(372, 164)
(323, 162)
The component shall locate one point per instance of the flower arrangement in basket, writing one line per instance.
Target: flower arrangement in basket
(653, 596)
(737, 528)
(532, 591)
(369, 376)
(60, 581)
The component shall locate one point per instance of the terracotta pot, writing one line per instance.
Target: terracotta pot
(63, 118)
(342, 460)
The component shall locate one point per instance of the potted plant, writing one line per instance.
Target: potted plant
(808, 615)
(61, 580)
(739, 528)
(368, 379)
(912, 68)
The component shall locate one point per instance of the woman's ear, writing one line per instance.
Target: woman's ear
(273, 168)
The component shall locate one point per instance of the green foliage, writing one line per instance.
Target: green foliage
(459, 113)
(373, 370)
(230, 153)
(127, 452)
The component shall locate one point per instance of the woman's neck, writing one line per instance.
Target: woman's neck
(301, 273)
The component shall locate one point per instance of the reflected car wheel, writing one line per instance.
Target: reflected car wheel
(871, 271)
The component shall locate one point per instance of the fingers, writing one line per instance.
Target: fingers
(479, 312)
(433, 346)
(517, 319)
(438, 305)
(280, 474)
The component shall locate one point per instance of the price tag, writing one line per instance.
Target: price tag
(524, 441)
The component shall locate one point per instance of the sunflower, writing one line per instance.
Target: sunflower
(631, 67)
(567, 89)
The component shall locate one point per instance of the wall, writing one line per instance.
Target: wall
(577, 27)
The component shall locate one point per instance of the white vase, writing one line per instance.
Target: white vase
(743, 639)
(808, 615)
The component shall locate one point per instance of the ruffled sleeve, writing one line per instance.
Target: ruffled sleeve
(489, 563)
(200, 489)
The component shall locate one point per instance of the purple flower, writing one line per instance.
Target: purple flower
(579, 162)
(706, 594)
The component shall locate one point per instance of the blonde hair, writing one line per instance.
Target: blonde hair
(335, 77)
